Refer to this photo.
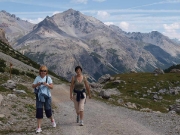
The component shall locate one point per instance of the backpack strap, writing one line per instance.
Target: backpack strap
(46, 79)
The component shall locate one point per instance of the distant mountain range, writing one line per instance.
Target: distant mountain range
(71, 38)
(14, 27)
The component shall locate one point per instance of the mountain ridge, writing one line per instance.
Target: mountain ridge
(13, 26)
(71, 38)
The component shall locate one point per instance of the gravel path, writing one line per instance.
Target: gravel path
(103, 119)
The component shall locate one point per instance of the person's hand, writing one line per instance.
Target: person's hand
(39, 83)
(44, 83)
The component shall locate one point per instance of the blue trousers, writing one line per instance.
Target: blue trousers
(46, 105)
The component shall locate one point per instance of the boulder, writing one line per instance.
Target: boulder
(175, 107)
(162, 91)
(19, 91)
(11, 96)
(104, 94)
(10, 84)
(2, 115)
(174, 91)
(133, 71)
(175, 71)
(131, 105)
(104, 78)
(145, 110)
(156, 97)
(120, 101)
(158, 71)
(177, 100)
(117, 82)
(95, 85)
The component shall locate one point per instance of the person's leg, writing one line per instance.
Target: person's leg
(39, 121)
(81, 109)
(39, 114)
(81, 115)
(48, 111)
(76, 106)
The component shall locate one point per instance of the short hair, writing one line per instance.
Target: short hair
(78, 67)
(43, 67)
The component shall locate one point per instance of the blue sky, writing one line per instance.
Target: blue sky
(130, 15)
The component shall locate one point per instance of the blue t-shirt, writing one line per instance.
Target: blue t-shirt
(44, 89)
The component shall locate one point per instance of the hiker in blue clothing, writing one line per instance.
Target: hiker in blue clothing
(42, 85)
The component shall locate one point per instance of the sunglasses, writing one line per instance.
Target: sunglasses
(42, 70)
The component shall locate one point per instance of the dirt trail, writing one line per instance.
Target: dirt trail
(99, 118)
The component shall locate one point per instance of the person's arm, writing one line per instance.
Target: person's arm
(36, 83)
(87, 87)
(71, 88)
(49, 84)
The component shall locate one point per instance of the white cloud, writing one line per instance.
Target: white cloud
(158, 3)
(124, 26)
(56, 12)
(108, 23)
(99, 0)
(172, 1)
(80, 1)
(103, 14)
(172, 30)
(34, 21)
(173, 26)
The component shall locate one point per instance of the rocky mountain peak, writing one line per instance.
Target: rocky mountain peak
(72, 12)
(10, 15)
(13, 26)
(156, 34)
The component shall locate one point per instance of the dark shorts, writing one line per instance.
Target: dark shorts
(47, 108)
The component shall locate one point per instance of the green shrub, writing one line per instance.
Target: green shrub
(30, 75)
(2, 70)
(22, 73)
(2, 63)
(15, 71)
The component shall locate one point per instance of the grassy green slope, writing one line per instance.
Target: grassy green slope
(134, 85)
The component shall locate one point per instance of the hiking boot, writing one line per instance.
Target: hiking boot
(77, 120)
(53, 123)
(38, 130)
(81, 123)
